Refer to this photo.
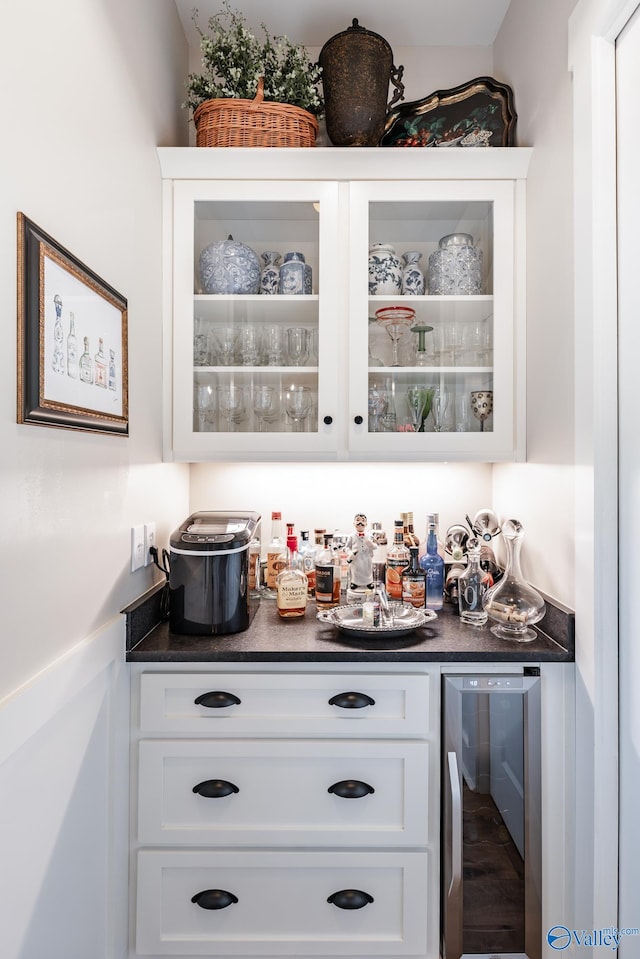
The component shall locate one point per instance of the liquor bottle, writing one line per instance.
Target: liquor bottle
(112, 369)
(276, 555)
(397, 559)
(86, 364)
(318, 537)
(472, 585)
(409, 537)
(327, 575)
(414, 582)
(340, 546)
(291, 585)
(72, 348)
(433, 565)
(101, 366)
(307, 553)
(254, 568)
(379, 558)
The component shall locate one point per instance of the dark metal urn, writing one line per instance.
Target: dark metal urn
(357, 67)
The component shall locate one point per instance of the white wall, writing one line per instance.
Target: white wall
(328, 495)
(90, 87)
(530, 54)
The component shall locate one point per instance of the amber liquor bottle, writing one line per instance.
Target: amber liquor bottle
(397, 560)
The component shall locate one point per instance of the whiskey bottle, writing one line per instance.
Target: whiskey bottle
(410, 538)
(414, 582)
(327, 575)
(276, 556)
(86, 364)
(101, 366)
(72, 348)
(397, 560)
(291, 585)
(433, 565)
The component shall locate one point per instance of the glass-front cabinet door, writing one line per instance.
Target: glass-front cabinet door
(255, 369)
(433, 334)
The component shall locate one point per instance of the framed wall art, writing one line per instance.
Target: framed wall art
(476, 114)
(72, 340)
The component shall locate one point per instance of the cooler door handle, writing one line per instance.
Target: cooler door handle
(350, 899)
(214, 899)
(351, 789)
(352, 700)
(215, 788)
(217, 699)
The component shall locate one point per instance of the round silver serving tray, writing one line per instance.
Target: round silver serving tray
(348, 619)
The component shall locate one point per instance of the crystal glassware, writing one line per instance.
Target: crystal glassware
(262, 404)
(482, 405)
(419, 402)
(396, 320)
(440, 410)
(298, 345)
(297, 403)
(200, 347)
(512, 604)
(377, 405)
(250, 345)
(204, 405)
(231, 404)
(225, 344)
(462, 410)
(273, 345)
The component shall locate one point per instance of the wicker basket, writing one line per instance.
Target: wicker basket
(253, 123)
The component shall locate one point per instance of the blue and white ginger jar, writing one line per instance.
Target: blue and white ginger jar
(293, 275)
(385, 270)
(229, 266)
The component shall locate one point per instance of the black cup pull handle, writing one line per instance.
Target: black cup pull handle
(327, 420)
(358, 420)
(217, 699)
(350, 899)
(214, 899)
(352, 700)
(215, 788)
(351, 789)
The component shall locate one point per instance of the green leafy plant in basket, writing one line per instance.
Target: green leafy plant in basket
(234, 60)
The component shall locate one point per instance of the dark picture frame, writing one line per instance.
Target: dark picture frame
(72, 340)
(479, 113)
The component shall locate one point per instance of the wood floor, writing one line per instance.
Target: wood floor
(493, 880)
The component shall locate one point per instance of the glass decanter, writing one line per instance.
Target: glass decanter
(512, 604)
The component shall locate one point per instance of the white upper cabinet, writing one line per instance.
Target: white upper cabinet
(316, 371)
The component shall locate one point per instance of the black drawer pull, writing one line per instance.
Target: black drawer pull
(217, 700)
(214, 899)
(352, 700)
(351, 789)
(215, 788)
(350, 899)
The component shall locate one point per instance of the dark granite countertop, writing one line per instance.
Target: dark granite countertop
(271, 639)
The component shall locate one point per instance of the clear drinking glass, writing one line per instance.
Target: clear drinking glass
(297, 403)
(225, 344)
(440, 409)
(231, 404)
(250, 345)
(462, 412)
(377, 405)
(204, 406)
(262, 404)
(298, 345)
(273, 343)
(200, 346)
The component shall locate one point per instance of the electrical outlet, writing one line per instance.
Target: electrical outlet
(149, 541)
(137, 548)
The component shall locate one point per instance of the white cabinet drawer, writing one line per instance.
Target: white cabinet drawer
(241, 704)
(277, 793)
(278, 904)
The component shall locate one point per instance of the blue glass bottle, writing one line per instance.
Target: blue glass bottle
(433, 565)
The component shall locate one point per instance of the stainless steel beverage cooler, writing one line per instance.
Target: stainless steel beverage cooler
(209, 573)
(491, 809)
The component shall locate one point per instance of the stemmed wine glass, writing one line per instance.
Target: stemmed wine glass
(262, 404)
(482, 405)
(231, 405)
(297, 404)
(377, 406)
(395, 320)
(419, 400)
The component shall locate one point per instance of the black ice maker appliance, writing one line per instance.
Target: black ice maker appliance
(209, 577)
